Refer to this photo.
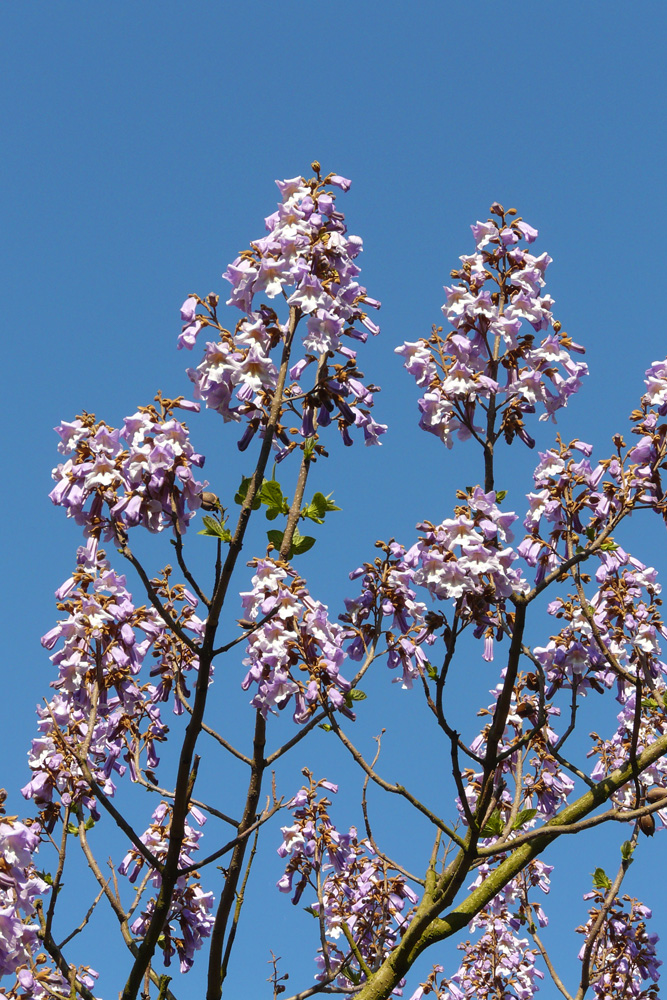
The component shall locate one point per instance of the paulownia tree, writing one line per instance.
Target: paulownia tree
(287, 375)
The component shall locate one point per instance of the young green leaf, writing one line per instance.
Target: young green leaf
(494, 825)
(357, 695)
(600, 879)
(309, 447)
(301, 544)
(524, 816)
(626, 850)
(318, 507)
(214, 528)
(242, 493)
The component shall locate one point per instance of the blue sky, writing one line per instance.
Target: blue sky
(141, 146)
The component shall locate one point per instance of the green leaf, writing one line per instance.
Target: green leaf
(301, 544)
(500, 495)
(600, 879)
(357, 695)
(73, 829)
(626, 850)
(309, 447)
(318, 507)
(493, 826)
(214, 528)
(432, 671)
(524, 816)
(326, 727)
(608, 546)
(89, 824)
(310, 910)
(590, 533)
(271, 493)
(276, 538)
(352, 974)
(242, 493)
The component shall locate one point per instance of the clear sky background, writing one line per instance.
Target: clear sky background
(141, 141)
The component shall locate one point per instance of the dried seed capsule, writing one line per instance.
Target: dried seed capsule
(656, 794)
(209, 501)
(647, 825)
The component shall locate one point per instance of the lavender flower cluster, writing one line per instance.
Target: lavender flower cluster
(190, 908)
(297, 636)
(308, 260)
(500, 288)
(624, 957)
(20, 887)
(101, 704)
(466, 560)
(142, 473)
(358, 900)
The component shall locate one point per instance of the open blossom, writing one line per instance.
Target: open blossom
(464, 556)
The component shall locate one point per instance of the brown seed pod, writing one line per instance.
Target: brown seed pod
(647, 825)
(524, 709)
(656, 794)
(209, 501)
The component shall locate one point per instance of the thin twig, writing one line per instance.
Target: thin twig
(388, 787)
